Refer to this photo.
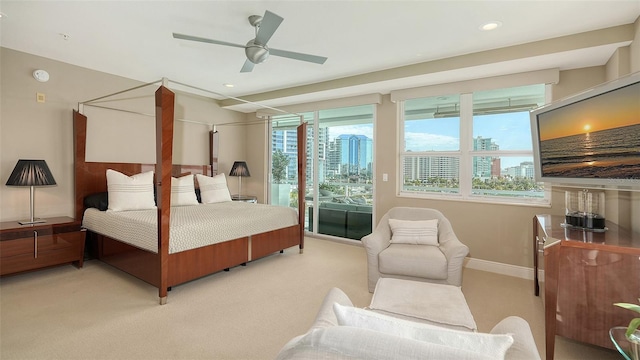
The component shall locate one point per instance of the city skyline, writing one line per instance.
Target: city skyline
(510, 130)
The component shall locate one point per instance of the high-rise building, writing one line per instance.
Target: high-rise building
(482, 165)
(524, 170)
(424, 167)
(350, 154)
(287, 142)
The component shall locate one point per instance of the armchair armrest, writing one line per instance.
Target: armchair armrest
(524, 346)
(374, 243)
(326, 317)
(455, 252)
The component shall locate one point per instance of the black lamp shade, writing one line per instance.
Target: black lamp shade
(31, 173)
(239, 168)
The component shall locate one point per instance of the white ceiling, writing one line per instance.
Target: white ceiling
(134, 39)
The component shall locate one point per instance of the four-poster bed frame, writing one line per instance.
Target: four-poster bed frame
(162, 269)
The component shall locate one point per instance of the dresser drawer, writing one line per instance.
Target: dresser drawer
(39, 248)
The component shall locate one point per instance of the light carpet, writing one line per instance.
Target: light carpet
(249, 312)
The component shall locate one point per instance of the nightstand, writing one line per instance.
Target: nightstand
(57, 241)
(245, 198)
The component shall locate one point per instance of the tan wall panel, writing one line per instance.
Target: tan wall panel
(29, 129)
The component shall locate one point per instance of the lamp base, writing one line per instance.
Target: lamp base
(31, 222)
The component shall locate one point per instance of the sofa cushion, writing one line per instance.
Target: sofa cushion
(346, 342)
(422, 232)
(492, 345)
(411, 260)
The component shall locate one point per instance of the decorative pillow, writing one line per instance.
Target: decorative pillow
(183, 191)
(213, 189)
(130, 192)
(491, 345)
(99, 201)
(422, 232)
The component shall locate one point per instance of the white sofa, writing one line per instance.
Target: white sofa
(327, 339)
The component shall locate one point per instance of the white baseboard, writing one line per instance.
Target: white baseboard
(503, 269)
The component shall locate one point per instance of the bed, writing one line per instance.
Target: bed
(158, 256)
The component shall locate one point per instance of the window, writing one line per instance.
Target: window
(474, 146)
(339, 193)
(431, 159)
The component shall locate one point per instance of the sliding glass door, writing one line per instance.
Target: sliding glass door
(340, 161)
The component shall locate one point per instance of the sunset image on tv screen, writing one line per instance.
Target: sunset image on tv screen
(598, 137)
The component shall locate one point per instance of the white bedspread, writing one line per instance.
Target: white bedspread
(191, 226)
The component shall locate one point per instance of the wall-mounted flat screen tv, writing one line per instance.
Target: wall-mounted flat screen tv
(592, 138)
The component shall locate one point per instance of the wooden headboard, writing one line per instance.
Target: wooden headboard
(91, 178)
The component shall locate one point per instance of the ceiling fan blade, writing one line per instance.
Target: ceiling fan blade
(204, 40)
(298, 56)
(268, 26)
(247, 67)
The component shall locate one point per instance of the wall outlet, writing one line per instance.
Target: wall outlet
(385, 177)
(40, 97)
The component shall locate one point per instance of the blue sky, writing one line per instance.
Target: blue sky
(510, 131)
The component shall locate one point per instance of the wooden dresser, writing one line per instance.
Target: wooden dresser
(59, 240)
(585, 273)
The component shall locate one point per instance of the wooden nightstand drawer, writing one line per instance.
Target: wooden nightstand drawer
(24, 248)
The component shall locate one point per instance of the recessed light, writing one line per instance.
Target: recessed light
(228, 85)
(2, 15)
(492, 25)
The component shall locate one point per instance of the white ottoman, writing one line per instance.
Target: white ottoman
(436, 304)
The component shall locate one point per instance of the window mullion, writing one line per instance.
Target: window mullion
(400, 147)
(466, 143)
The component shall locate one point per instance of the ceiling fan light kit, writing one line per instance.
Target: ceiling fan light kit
(256, 53)
(256, 49)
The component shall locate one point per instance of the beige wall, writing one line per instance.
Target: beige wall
(29, 129)
(494, 232)
(499, 233)
(634, 48)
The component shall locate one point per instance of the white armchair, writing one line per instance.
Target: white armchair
(440, 264)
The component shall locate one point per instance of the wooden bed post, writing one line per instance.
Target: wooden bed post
(213, 151)
(302, 178)
(164, 161)
(79, 151)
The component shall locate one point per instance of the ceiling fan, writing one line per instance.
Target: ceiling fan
(256, 49)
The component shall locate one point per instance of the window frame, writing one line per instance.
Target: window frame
(465, 155)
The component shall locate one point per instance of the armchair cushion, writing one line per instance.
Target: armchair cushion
(411, 260)
(420, 232)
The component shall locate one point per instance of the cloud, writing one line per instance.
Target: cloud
(366, 130)
(430, 142)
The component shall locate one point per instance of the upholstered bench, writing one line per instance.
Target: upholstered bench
(436, 304)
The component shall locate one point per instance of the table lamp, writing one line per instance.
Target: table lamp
(31, 173)
(239, 169)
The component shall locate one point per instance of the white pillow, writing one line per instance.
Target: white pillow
(130, 192)
(213, 189)
(491, 345)
(421, 232)
(183, 191)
